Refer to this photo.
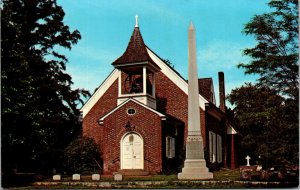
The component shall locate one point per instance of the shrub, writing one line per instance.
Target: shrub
(83, 156)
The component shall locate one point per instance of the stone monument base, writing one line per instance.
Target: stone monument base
(195, 169)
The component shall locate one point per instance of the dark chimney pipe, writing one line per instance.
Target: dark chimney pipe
(222, 91)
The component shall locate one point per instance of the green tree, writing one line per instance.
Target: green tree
(39, 108)
(267, 124)
(267, 112)
(275, 57)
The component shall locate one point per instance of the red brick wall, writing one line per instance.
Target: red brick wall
(107, 102)
(173, 101)
(147, 124)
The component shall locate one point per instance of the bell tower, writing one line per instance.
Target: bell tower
(136, 71)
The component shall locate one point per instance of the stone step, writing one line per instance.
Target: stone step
(134, 172)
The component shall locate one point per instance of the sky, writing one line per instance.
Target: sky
(106, 27)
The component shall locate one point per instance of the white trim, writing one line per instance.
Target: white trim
(131, 99)
(127, 111)
(149, 65)
(131, 64)
(231, 130)
(130, 95)
(144, 81)
(100, 91)
(173, 76)
(120, 83)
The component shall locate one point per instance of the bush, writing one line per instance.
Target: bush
(83, 156)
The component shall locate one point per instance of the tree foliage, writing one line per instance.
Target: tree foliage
(275, 57)
(267, 112)
(268, 125)
(39, 108)
(83, 155)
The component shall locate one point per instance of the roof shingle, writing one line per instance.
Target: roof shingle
(135, 52)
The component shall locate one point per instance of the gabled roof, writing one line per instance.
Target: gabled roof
(174, 76)
(112, 77)
(205, 88)
(163, 117)
(135, 52)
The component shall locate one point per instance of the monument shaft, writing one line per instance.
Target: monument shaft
(195, 164)
(193, 91)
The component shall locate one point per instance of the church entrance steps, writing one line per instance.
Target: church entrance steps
(134, 172)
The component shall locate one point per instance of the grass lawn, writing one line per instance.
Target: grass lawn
(223, 179)
(226, 174)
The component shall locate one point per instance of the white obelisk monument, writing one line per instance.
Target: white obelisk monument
(195, 164)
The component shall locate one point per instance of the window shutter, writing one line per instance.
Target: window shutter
(214, 147)
(172, 149)
(210, 146)
(168, 147)
(219, 149)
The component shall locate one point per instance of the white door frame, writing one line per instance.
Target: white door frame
(121, 148)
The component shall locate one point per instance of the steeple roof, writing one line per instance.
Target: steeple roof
(136, 51)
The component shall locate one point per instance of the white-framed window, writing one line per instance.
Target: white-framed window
(131, 111)
(170, 147)
(219, 149)
(212, 147)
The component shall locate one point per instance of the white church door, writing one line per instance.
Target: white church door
(132, 152)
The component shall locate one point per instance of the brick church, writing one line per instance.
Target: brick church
(139, 115)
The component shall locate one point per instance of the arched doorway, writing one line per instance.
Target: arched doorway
(132, 151)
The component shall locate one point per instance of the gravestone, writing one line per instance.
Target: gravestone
(76, 177)
(259, 168)
(56, 178)
(118, 177)
(95, 177)
(248, 160)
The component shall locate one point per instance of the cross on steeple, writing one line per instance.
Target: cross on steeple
(136, 21)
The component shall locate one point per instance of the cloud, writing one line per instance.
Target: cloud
(221, 55)
(88, 78)
(164, 13)
(89, 66)
(94, 53)
(229, 86)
